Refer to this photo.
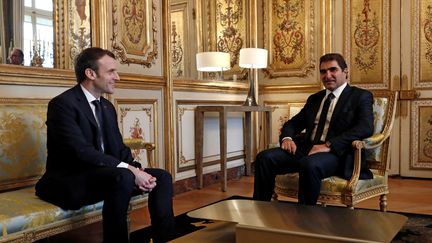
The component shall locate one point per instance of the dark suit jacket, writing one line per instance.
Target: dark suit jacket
(352, 119)
(72, 134)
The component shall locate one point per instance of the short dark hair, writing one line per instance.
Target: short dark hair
(88, 59)
(334, 57)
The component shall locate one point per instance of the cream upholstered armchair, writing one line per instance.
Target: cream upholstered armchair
(139, 143)
(335, 190)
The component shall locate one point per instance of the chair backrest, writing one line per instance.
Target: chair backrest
(384, 109)
(22, 142)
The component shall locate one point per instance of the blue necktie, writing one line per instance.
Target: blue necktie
(322, 119)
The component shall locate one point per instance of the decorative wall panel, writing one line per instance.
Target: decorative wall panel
(367, 39)
(73, 31)
(225, 30)
(79, 27)
(138, 119)
(134, 31)
(422, 44)
(421, 128)
(290, 37)
(179, 18)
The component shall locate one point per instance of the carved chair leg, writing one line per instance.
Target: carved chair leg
(383, 203)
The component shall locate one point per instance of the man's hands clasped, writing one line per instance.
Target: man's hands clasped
(143, 180)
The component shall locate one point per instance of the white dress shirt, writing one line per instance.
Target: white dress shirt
(337, 92)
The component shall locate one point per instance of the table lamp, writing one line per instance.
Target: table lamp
(213, 61)
(252, 58)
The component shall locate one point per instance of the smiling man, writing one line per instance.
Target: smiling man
(332, 119)
(87, 160)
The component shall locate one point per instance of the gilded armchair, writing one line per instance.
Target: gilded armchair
(335, 190)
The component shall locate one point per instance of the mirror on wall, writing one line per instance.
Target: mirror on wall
(27, 33)
(207, 26)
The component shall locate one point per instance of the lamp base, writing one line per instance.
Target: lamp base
(250, 99)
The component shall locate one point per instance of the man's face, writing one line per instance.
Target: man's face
(105, 78)
(332, 76)
(14, 58)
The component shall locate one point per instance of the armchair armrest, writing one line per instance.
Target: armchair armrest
(371, 142)
(374, 141)
(139, 143)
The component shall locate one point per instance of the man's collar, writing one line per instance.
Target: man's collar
(337, 92)
(87, 94)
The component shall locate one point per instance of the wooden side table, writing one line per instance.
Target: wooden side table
(223, 110)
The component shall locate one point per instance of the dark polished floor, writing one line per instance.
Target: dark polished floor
(406, 195)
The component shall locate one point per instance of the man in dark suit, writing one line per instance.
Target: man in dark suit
(87, 160)
(332, 119)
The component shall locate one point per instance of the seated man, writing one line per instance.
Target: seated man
(332, 119)
(87, 160)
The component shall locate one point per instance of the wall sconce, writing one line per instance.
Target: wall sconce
(252, 58)
(213, 62)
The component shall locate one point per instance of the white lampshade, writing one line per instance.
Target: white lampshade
(253, 58)
(213, 61)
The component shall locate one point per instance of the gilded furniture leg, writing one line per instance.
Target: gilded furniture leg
(383, 203)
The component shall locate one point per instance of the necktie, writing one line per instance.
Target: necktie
(98, 112)
(322, 119)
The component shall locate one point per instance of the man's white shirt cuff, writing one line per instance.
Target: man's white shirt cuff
(122, 165)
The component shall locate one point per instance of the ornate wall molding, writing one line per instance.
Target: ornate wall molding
(179, 24)
(367, 42)
(134, 30)
(79, 32)
(138, 119)
(421, 139)
(422, 44)
(59, 34)
(73, 31)
(225, 30)
(289, 27)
